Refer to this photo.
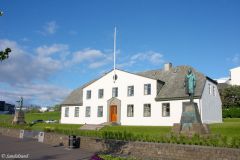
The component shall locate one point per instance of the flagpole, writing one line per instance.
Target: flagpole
(114, 55)
(114, 49)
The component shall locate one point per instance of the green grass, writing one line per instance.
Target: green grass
(229, 127)
(29, 117)
(149, 130)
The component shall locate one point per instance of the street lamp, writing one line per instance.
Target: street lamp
(1, 13)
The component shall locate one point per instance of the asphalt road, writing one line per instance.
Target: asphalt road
(14, 148)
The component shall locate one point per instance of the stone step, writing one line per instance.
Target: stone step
(95, 127)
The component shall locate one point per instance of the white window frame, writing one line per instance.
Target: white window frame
(88, 111)
(130, 110)
(76, 112)
(147, 89)
(130, 91)
(209, 89)
(98, 113)
(66, 112)
(89, 94)
(115, 92)
(147, 107)
(100, 96)
(165, 107)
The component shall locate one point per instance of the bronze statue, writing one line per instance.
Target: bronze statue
(20, 103)
(190, 84)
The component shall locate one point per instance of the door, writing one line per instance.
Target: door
(113, 113)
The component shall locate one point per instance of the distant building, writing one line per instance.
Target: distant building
(43, 109)
(6, 107)
(233, 79)
(150, 98)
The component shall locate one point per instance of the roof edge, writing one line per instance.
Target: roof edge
(175, 98)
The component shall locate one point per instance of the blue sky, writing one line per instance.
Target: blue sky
(59, 45)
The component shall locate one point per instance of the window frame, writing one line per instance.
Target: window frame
(132, 113)
(115, 90)
(89, 111)
(76, 114)
(146, 105)
(99, 112)
(209, 89)
(130, 91)
(147, 89)
(66, 112)
(89, 94)
(167, 106)
(100, 96)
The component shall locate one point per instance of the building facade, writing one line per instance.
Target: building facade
(151, 98)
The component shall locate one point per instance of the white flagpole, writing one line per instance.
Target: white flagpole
(114, 49)
(114, 55)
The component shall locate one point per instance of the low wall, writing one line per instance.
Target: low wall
(141, 150)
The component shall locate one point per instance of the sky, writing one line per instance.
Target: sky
(59, 45)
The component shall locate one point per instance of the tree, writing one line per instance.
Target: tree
(230, 97)
(4, 54)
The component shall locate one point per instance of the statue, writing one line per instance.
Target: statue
(19, 117)
(190, 122)
(190, 84)
(20, 103)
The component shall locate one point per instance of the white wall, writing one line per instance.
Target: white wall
(124, 80)
(211, 104)
(235, 76)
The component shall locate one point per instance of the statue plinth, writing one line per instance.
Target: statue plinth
(19, 117)
(190, 121)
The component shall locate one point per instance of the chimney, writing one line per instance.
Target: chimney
(167, 66)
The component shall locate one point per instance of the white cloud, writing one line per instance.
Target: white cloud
(44, 94)
(152, 57)
(23, 69)
(236, 59)
(49, 28)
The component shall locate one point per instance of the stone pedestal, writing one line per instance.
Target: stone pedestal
(19, 118)
(190, 121)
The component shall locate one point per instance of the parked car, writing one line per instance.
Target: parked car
(37, 121)
(51, 121)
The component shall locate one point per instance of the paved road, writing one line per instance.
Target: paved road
(31, 149)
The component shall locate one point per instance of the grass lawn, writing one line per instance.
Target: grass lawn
(230, 127)
(149, 130)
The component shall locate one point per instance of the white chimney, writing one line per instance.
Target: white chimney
(167, 66)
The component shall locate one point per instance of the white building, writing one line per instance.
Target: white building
(151, 98)
(234, 78)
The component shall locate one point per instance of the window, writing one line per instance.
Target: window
(214, 91)
(130, 90)
(114, 92)
(88, 112)
(100, 111)
(88, 94)
(147, 89)
(147, 110)
(130, 110)
(76, 113)
(166, 109)
(100, 93)
(209, 88)
(67, 112)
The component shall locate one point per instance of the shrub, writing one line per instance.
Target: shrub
(231, 113)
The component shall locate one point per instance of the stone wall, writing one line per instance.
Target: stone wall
(141, 150)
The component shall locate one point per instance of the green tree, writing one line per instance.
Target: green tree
(57, 107)
(231, 97)
(4, 54)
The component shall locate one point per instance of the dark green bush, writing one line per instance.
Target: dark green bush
(231, 113)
